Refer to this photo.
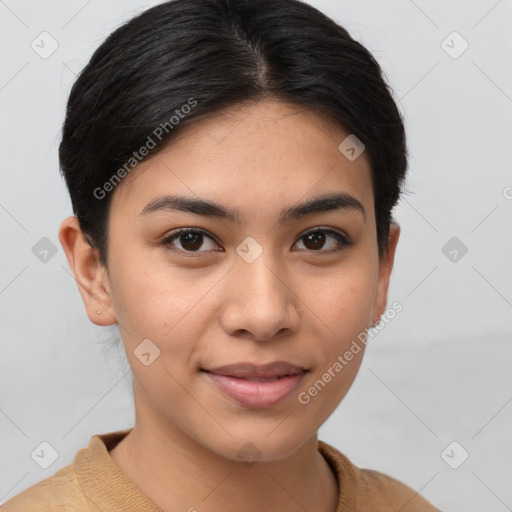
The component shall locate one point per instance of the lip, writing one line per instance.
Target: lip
(256, 386)
(253, 371)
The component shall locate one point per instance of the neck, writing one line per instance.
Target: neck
(177, 473)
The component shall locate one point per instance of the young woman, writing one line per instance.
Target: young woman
(232, 167)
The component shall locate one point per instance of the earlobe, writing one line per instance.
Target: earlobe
(385, 268)
(90, 276)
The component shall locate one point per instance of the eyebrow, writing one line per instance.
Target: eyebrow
(324, 203)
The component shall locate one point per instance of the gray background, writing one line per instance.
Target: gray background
(439, 372)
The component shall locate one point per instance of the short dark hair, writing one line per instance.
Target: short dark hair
(221, 53)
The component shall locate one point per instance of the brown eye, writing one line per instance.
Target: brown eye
(316, 240)
(190, 240)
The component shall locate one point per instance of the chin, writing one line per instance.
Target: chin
(257, 448)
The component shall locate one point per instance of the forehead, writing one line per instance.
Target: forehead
(268, 148)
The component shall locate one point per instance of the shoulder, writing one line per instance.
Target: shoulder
(371, 491)
(387, 493)
(55, 493)
(92, 482)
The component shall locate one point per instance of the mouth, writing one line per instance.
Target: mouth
(249, 371)
(256, 386)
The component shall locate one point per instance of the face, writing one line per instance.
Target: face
(245, 287)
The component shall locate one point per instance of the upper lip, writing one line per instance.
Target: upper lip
(249, 370)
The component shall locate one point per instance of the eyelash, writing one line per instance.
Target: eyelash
(342, 239)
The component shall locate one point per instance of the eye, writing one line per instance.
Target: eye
(191, 240)
(317, 238)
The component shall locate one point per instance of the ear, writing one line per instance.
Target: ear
(385, 267)
(90, 276)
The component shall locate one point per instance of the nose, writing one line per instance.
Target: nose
(260, 301)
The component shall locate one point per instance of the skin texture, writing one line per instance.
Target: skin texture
(293, 303)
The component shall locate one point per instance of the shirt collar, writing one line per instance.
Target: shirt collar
(99, 475)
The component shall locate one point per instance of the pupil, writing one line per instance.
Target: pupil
(191, 240)
(318, 240)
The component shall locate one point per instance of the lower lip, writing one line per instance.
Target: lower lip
(256, 394)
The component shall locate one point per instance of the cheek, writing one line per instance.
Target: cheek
(344, 300)
(342, 311)
(161, 307)
(153, 300)
(338, 356)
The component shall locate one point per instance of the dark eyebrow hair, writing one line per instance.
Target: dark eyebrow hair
(324, 203)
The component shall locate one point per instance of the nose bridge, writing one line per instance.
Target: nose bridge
(260, 302)
(259, 279)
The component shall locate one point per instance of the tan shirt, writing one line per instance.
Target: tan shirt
(94, 482)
